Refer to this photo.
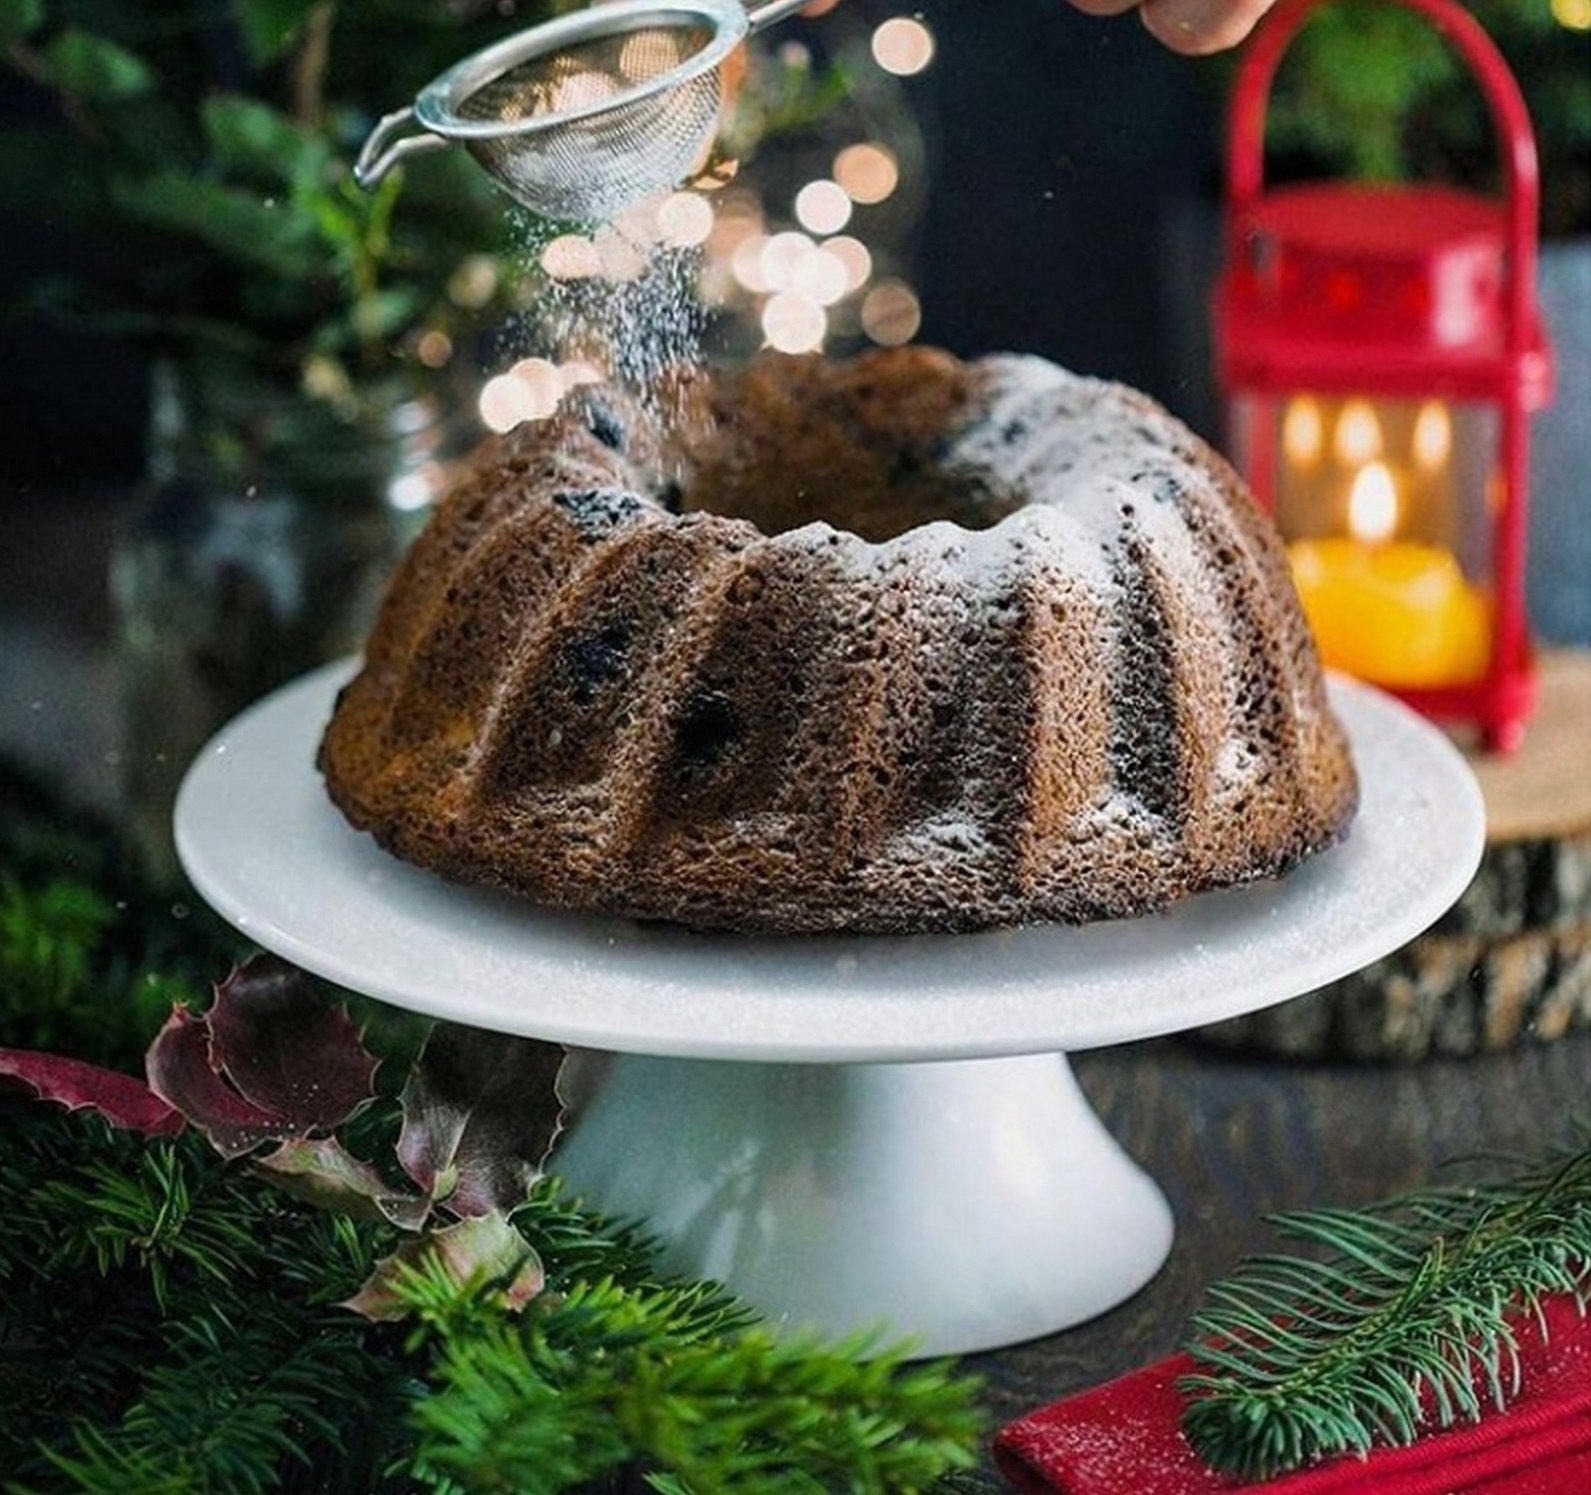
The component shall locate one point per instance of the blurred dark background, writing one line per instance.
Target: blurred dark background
(1071, 210)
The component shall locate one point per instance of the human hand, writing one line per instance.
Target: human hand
(1191, 26)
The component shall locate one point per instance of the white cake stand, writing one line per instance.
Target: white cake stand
(759, 1113)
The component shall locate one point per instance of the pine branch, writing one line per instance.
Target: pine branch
(601, 1381)
(239, 1399)
(577, 1245)
(108, 1216)
(618, 1370)
(238, 1373)
(1408, 1323)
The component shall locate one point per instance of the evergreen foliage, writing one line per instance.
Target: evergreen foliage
(612, 1372)
(200, 158)
(1371, 90)
(1407, 1322)
(170, 1322)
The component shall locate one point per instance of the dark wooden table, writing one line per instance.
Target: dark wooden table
(1231, 1139)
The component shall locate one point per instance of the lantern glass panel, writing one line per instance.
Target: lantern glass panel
(1388, 508)
(1431, 472)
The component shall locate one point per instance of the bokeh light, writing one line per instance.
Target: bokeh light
(794, 324)
(903, 46)
(746, 263)
(571, 257)
(1303, 432)
(1357, 438)
(855, 256)
(474, 283)
(1433, 436)
(780, 257)
(434, 348)
(543, 386)
(618, 258)
(869, 172)
(821, 277)
(823, 207)
(504, 403)
(891, 313)
(685, 219)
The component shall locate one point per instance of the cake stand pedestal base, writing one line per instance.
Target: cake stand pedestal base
(848, 1131)
(846, 1197)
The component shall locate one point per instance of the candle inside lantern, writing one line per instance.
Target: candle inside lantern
(1388, 610)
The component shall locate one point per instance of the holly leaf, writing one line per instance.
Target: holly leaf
(324, 1173)
(480, 1114)
(181, 1074)
(92, 67)
(484, 1249)
(289, 1051)
(122, 1100)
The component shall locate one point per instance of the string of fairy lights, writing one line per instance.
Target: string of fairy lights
(802, 277)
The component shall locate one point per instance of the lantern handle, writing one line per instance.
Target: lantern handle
(1246, 141)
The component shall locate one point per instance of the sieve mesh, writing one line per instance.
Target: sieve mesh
(583, 115)
(595, 158)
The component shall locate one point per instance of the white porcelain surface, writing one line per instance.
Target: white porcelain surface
(967, 1202)
(265, 846)
(970, 1204)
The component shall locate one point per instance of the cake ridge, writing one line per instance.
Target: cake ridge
(1034, 656)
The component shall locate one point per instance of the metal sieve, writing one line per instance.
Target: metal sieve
(581, 116)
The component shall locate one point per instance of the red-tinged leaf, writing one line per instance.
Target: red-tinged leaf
(287, 1049)
(178, 1065)
(324, 1173)
(122, 1100)
(480, 1113)
(486, 1248)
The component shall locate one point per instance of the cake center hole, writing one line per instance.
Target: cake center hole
(798, 442)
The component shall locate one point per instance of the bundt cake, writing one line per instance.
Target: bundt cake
(897, 645)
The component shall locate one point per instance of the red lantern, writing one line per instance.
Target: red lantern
(1382, 351)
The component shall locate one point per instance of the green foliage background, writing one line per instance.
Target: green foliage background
(1369, 89)
(197, 157)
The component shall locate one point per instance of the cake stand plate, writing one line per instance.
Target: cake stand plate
(849, 1131)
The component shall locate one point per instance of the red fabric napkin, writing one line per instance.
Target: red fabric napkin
(1124, 1438)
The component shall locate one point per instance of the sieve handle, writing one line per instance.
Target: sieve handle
(759, 16)
(382, 151)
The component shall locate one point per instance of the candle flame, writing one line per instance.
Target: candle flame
(1303, 432)
(1373, 503)
(1433, 436)
(1357, 439)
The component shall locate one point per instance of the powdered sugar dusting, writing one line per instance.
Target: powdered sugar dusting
(632, 314)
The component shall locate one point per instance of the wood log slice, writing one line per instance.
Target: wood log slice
(1511, 961)
(1536, 873)
(1449, 995)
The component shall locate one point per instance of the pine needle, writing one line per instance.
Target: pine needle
(1407, 1323)
(170, 1323)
